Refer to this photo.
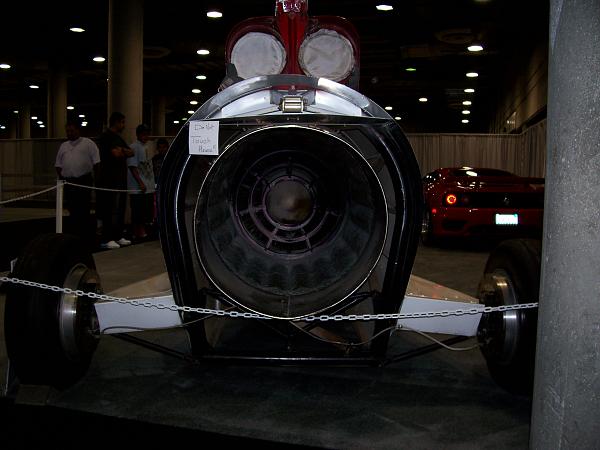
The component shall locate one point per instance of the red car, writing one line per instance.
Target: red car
(468, 202)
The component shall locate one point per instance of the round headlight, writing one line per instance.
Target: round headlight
(326, 54)
(257, 54)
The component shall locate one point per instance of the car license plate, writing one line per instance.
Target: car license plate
(507, 219)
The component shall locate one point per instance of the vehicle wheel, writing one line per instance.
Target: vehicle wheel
(511, 276)
(426, 229)
(51, 336)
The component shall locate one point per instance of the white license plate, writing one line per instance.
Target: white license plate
(507, 219)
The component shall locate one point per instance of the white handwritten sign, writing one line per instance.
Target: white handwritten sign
(204, 137)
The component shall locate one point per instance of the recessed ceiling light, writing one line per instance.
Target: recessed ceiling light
(467, 102)
(466, 111)
(99, 58)
(472, 74)
(200, 77)
(34, 86)
(193, 102)
(214, 14)
(384, 7)
(196, 91)
(176, 121)
(33, 117)
(388, 108)
(40, 122)
(423, 99)
(16, 111)
(191, 112)
(185, 118)
(397, 118)
(469, 90)
(82, 115)
(42, 126)
(70, 108)
(465, 121)
(2, 127)
(76, 29)
(474, 48)
(203, 51)
(410, 69)
(84, 124)
(4, 66)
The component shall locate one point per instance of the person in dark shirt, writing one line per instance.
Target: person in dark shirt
(112, 174)
(162, 145)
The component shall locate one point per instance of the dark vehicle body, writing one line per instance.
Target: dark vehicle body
(469, 202)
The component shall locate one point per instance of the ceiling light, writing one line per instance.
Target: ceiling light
(410, 69)
(40, 122)
(467, 102)
(384, 7)
(214, 14)
(388, 108)
(2, 127)
(99, 58)
(70, 108)
(465, 121)
(191, 112)
(176, 121)
(397, 118)
(193, 102)
(4, 66)
(469, 90)
(42, 126)
(196, 91)
(203, 51)
(466, 111)
(200, 77)
(472, 74)
(84, 124)
(16, 111)
(34, 86)
(423, 99)
(185, 118)
(474, 48)
(33, 117)
(81, 115)
(76, 29)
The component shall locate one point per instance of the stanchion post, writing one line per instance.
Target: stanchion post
(60, 185)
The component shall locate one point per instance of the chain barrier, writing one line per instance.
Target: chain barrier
(249, 315)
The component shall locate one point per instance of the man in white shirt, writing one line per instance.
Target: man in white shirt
(76, 160)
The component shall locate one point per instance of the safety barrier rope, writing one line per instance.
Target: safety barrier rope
(23, 197)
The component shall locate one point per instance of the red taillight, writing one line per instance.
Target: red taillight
(451, 199)
(433, 211)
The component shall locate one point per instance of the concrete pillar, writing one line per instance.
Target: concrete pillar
(126, 62)
(57, 103)
(158, 115)
(566, 402)
(25, 121)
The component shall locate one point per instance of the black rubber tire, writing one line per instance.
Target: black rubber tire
(520, 260)
(31, 320)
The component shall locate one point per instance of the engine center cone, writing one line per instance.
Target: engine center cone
(289, 202)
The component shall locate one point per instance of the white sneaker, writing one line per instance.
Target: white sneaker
(123, 242)
(110, 245)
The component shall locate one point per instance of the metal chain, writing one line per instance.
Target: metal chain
(95, 188)
(249, 315)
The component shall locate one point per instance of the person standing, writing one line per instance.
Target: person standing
(141, 178)
(162, 145)
(113, 177)
(76, 159)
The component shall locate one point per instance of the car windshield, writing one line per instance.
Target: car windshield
(467, 172)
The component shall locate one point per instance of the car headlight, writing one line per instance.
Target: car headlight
(256, 54)
(326, 54)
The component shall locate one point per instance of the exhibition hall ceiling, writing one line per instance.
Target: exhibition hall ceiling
(428, 36)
